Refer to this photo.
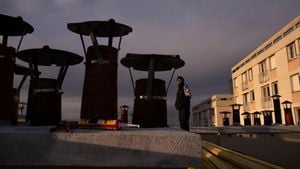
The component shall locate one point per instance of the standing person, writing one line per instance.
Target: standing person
(182, 103)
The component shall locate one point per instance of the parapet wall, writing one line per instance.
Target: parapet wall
(147, 148)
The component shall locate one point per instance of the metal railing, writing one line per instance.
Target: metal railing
(266, 102)
(245, 85)
(263, 76)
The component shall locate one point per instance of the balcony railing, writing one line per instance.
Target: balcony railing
(245, 85)
(246, 106)
(266, 102)
(263, 76)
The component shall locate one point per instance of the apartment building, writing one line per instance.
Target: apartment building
(270, 76)
(211, 112)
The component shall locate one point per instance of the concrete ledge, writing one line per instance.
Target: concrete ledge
(246, 129)
(147, 148)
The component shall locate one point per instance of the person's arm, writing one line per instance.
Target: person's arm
(187, 91)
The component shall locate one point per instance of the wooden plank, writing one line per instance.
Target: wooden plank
(214, 162)
(236, 158)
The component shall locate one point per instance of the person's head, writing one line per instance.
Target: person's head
(180, 80)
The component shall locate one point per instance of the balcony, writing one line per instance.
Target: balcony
(263, 76)
(266, 102)
(246, 106)
(245, 85)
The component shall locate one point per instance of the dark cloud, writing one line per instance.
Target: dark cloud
(211, 36)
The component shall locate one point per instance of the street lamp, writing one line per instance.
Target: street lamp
(236, 113)
(256, 118)
(267, 117)
(124, 112)
(277, 110)
(247, 120)
(287, 106)
(225, 118)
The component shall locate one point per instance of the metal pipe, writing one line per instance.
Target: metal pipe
(132, 81)
(19, 45)
(61, 76)
(97, 49)
(83, 45)
(119, 46)
(150, 78)
(4, 40)
(170, 81)
(22, 82)
(120, 40)
(111, 32)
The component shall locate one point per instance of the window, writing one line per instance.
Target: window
(298, 46)
(265, 92)
(263, 66)
(235, 82)
(268, 46)
(225, 99)
(263, 71)
(275, 88)
(244, 77)
(272, 62)
(244, 81)
(291, 51)
(246, 101)
(250, 74)
(252, 96)
(266, 98)
(277, 39)
(295, 82)
(245, 98)
(260, 52)
(288, 31)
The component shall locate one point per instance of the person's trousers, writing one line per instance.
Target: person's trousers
(184, 116)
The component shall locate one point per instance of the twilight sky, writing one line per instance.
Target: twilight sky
(209, 35)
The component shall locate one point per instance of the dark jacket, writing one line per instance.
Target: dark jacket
(182, 97)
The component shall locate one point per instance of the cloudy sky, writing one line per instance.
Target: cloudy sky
(209, 35)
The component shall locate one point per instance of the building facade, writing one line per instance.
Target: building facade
(211, 111)
(270, 76)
